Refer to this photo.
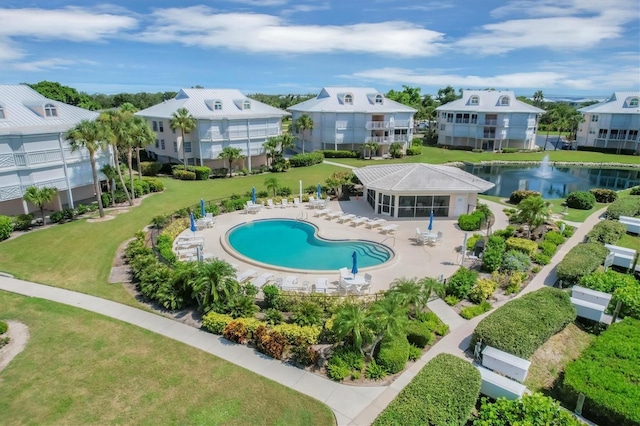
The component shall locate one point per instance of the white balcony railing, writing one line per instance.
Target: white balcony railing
(383, 140)
(373, 125)
(7, 160)
(342, 124)
(400, 138)
(490, 122)
(38, 157)
(531, 122)
(505, 122)
(401, 123)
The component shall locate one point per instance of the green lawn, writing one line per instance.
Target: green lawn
(573, 215)
(630, 241)
(83, 368)
(78, 255)
(435, 155)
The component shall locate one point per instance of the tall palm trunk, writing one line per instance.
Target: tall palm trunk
(130, 162)
(139, 167)
(184, 153)
(117, 162)
(96, 184)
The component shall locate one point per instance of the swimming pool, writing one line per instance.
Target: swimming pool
(295, 244)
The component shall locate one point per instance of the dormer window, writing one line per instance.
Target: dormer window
(504, 101)
(378, 99)
(474, 100)
(246, 105)
(50, 110)
(348, 99)
(2, 112)
(633, 102)
(217, 106)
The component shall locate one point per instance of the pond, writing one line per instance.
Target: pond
(553, 181)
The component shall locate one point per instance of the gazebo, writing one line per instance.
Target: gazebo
(415, 190)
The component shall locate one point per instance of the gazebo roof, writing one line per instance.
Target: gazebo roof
(419, 177)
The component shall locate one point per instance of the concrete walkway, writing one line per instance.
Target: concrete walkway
(352, 405)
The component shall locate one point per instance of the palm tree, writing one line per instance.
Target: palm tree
(215, 282)
(89, 135)
(183, 120)
(304, 123)
(286, 141)
(111, 174)
(230, 154)
(371, 147)
(272, 184)
(117, 127)
(142, 137)
(388, 318)
(538, 97)
(534, 211)
(431, 286)
(395, 149)
(351, 321)
(409, 293)
(271, 147)
(40, 197)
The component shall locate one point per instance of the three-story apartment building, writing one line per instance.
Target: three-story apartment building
(489, 120)
(348, 117)
(34, 150)
(225, 117)
(612, 124)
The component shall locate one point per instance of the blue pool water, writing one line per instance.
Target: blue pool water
(294, 244)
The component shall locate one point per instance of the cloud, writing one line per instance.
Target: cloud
(561, 25)
(49, 64)
(305, 8)
(9, 50)
(261, 33)
(260, 3)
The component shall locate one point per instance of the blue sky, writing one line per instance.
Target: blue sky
(563, 47)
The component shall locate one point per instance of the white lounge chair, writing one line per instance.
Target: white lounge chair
(389, 229)
(245, 275)
(359, 220)
(319, 213)
(374, 222)
(421, 238)
(322, 285)
(296, 202)
(284, 203)
(334, 215)
(269, 203)
(290, 283)
(346, 218)
(262, 279)
(311, 200)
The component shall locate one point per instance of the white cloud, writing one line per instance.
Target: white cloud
(554, 8)
(49, 64)
(305, 8)
(9, 50)
(260, 3)
(203, 27)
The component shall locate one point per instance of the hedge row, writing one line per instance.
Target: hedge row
(581, 200)
(199, 172)
(531, 409)
(604, 195)
(607, 373)
(607, 232)
(436, 396)
(330, 153)
(521, 326)
(628, 206)
(521, 194)
(581, 260)
(308, 159)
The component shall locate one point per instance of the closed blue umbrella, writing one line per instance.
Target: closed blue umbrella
(194, 228)
(253, 194)
(319, 191)
(203, 212)
(430, 227)
(354, 267)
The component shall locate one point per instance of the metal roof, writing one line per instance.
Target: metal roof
(201, 104)
(23, 110)
(489, 101)
(618, 103)
(419, 177)
(331, 99)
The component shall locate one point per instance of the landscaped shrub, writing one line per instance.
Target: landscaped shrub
(554, 237)
(607, 232)
(329, 153)
(541, 259)
(270, 342)
(519, 195)
(581, 200)
(164, 245)
(304, 355)
(515, 260)
(514, 282)
(530, 409)
(435, 396)
(493, 253)
(308, 159)
(295, 333)
(233, 204)
(451, 300)
(628, 206)
(581, 260)
(461, 282)
(482, 290)
(522, 244)
(375, 371)
(284, 191)
(607, 374)
(220, 172)
(414, 150)
(629, 295)
(22, 222)
(56, 217)
(635, 190)
(471, 222)
(547, 248)
(6, 227)
(337, 369)
(604, 195)
(472, 240)
(507, 232)
(236, 332)
(414, 353)
(607, 281)
(394, 354)
(184, 174)
(150, 168)
(175, 228)
(473, 311)
(215, 322)
(522, 325)
(3, 327)
(434, 323)
(419, 334)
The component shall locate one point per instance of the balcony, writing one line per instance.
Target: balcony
(26, 159)
(505, 122)
(400, 138)
(375, 125)
(383, 140)
(490, 122)
(401, 123)
(531, 122)
(341, 125)
(489, 135)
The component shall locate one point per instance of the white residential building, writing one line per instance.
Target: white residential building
(347, 117)
(489, 120)
(225, 117)
(34, 151)
(612, 124)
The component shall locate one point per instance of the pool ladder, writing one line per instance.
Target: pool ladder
(391, 237)
(302, 216)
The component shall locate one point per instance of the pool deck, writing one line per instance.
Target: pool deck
(411, 259)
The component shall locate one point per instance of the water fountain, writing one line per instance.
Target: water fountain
(544, 170)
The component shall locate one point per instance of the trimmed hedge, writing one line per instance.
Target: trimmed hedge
(6, 227)
(394, 354)
(604, 195)
(522, 244)
(150, 168)
(471, 222)
(461, 282)
(522, 325)
(330, 153)
(199, 172)
(635, 190)
(581, 260)
(519, 195)
(435, 396)
(607, 281)
(304, 160)
(581, 200)
(628, 206)
(531, 409)
(475, 310)
(420, 334)
(183, 174)
(493, 253)
(414, 150)
(3, 327)
(606, 232)
(607, 374)
(607, 150)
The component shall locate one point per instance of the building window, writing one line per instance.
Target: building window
(594, 118)
(157, 143)
(162, 144)
(175, 146)
(154, 125)
(504, 101)
(187, 147)
(474, 118)
(633, 135)
(633, 102)
(217, 105)
(50, 110)
(450, 118)
(592, 131)
(379, 99)
(458, 118)
(602, 133)
(423, 205)
(443, 115)
(246, 105)
(348, 99)
(442, 127)
(474, 100)
(160, 126)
